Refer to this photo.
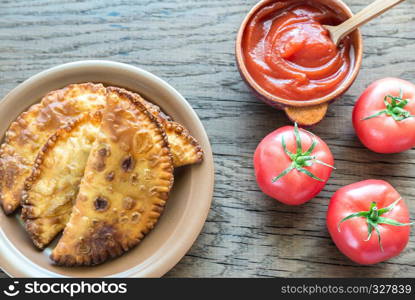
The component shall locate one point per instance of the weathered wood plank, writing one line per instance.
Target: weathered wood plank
(190, 43)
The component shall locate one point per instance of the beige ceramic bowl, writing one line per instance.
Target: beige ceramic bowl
(188, 204)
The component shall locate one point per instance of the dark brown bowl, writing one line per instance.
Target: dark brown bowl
(308, 112)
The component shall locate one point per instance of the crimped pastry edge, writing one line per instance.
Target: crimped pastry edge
(184, 132)
(169, 124)
(10, 208)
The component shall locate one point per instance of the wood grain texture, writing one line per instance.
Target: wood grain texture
(190, 43)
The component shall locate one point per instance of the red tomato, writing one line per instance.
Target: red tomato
(391, 128)
(302, 175)
(373, 202)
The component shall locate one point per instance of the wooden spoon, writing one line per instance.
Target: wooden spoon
(373, 10)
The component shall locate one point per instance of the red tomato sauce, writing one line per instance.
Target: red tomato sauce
(289, 53)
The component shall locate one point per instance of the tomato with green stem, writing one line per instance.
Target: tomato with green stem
(292, 165)
(368, 221)
(383, 116)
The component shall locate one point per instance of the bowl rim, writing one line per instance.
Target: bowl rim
(170, 252)
(343, 87)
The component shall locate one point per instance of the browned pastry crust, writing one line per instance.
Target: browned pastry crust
(127, 180)
(29, 132)
(184, 147)
(51, 189)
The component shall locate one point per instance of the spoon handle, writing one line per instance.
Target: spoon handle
(368, 13)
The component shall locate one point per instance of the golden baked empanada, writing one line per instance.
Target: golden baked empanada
(184, 147)
(31, 130)
(50, 191)
(127, 180)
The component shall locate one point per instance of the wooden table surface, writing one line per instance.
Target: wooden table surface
(190, 43)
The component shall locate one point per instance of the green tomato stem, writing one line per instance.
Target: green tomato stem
(300, 159)
(374, 219)
(394, 108)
